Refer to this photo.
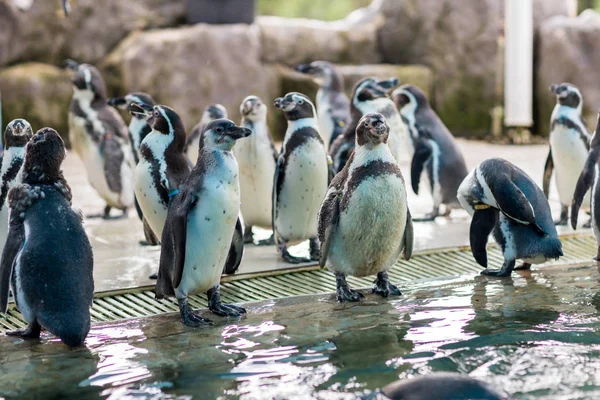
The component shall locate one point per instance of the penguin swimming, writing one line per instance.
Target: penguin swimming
(200, 225)
(17, 134)
(364, 221)
(100, 139)
(333, 106)
(256, 157)
(589, 179)
(369, 96)
(504, 200)
(211, 113)
(301, 178)
(569, 145)
(47, 258)
(436, 150)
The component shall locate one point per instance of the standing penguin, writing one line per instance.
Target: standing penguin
(301, 178)
(589, 179)
(364, 222)
(257, 158)
(200, 225)
(333, 106)
(569, 145)
(369, 96)
(17, 134)
(47, 258)
(436, 150)
(211, 113)
(504, 200)
(100, 139)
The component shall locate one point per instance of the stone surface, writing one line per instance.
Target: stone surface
(569, 51)
(189, 68)
(9, 29)
(40, 93)
(544, 9)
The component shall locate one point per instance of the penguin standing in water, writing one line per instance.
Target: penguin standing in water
(257, 157)
(138, 130)
(436, 150)
(100, 139)
(301, 178)
(371, 96)
(569, 145)
(200, 225)
(333, 106)
(17, 134)
(589, 179)
(47, 259)
(211, 113)
(364, 222)
(504, 200)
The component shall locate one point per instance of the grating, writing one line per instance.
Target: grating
(140, 302)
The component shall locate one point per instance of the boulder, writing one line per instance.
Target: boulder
(40, 93)
(544, 9)
(9, 28)
(191, 67)
(569, 51)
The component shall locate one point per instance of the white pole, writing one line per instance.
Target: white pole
(518, 63)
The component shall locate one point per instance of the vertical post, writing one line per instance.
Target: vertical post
(518, 63)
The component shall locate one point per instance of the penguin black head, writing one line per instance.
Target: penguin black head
(408, 98)
(86, 79)
(213, 112)
(370, 89)
(163, 120)
(136, 97)
(322, 72)
(295, 106)
(221, 134)
(17, 133)
(253, 109)
(44, 155)
(567, 95)
(372, 130)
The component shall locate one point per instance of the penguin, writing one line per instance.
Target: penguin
(138, 130)
(99, 137)
(569, 146)
(200, 225)
(333, 106)
(589, 179)
(17, 134)
(47, 260)
(301, 178)
(371, 95)
(257, 158)
(505, 201)
(364, 221)
(436, 150)
(211, 113)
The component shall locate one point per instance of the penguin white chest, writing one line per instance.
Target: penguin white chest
(146, 193)
(399, 140)
(136, 126)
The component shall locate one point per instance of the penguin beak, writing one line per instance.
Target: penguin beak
(238, 132)
(278, 103)
(70, 64)
(140, 110)
(117, 102)
(283, 104)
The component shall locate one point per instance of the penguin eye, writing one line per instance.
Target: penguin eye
(156, 113)
(300, 102)
(219, 130)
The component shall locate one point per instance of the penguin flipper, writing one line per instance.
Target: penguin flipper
(422, 155)
(409, 237)
(583, 184)
(481, 226)
(548, 167)
(236, 251)
(514, 204)
(329, 218)
(113, 160)
(14, 242)
(274, 197)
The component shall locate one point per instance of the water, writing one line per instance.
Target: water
(535, 335)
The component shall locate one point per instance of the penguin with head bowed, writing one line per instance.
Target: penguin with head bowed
(201, 223)
(211, 113)
(301, 178)
(569, 145)
(590, 175)
(333, 106)
(436, 151)
(505, 201)
(100, 138)
(257, 157)
(47, 259)
(364, 221)
(370, 95)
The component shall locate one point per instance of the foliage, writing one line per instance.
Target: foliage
(327, 10)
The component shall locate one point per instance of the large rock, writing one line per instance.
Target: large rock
(569, 51)
(294, 40)
(9, 28)
(189, 68)
(90, 31)
(39, 93)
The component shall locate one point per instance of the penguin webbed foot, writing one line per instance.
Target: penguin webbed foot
(146, 243)
(564, 217)
(588, 224)
(32, 331)
(597, 258)
(248, 235)
(154, 276)
(315, 249)
(287, 257)
(428, 217)
(188, 318)
(267, 242)
(223, 310)
(344, 292)
(384, 287)
(523, 267)
(506, 270)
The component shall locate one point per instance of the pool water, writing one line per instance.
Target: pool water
(535, 336)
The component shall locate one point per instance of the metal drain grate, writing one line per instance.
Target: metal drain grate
(140, 302)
